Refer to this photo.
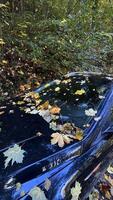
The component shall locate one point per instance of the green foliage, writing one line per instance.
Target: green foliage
(54, 35)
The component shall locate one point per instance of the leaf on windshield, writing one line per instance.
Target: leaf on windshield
(75, 191)
(79, 134)
(80, 92)
(47, 184)
(91, 112)
(37, 194)
(55, 110)
(67, 128)
(61, 139)
(14, 154)
(53, 125)
(46, 115)
(44, 106)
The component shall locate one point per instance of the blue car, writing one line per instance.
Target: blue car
(56, 136)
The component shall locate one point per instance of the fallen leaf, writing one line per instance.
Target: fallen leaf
(79, 134)
(91, 112)
(61, 139)
(94, 195)
(80, 92)
(75, 191)
(54, 126)
(47, 184)
(44, 106)
(109, 179)
(46, 115)
(18, 186)
(55, 110)
(37, 194)
(16, 154)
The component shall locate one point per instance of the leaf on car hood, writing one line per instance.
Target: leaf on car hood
(37, 194)
(61, 139)
(75, 191)
(14, 154)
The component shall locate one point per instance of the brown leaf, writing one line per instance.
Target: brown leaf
(55, 110)
(61, 139)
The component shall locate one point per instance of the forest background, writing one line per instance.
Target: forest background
(41, 40)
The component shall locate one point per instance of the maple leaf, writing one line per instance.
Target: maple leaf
(55, 110)
(80, 92)
(91, 112)
(61, 139)
(16, 154)
(37, 194)
(75, 191)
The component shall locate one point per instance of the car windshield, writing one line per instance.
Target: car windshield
(76, 94)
